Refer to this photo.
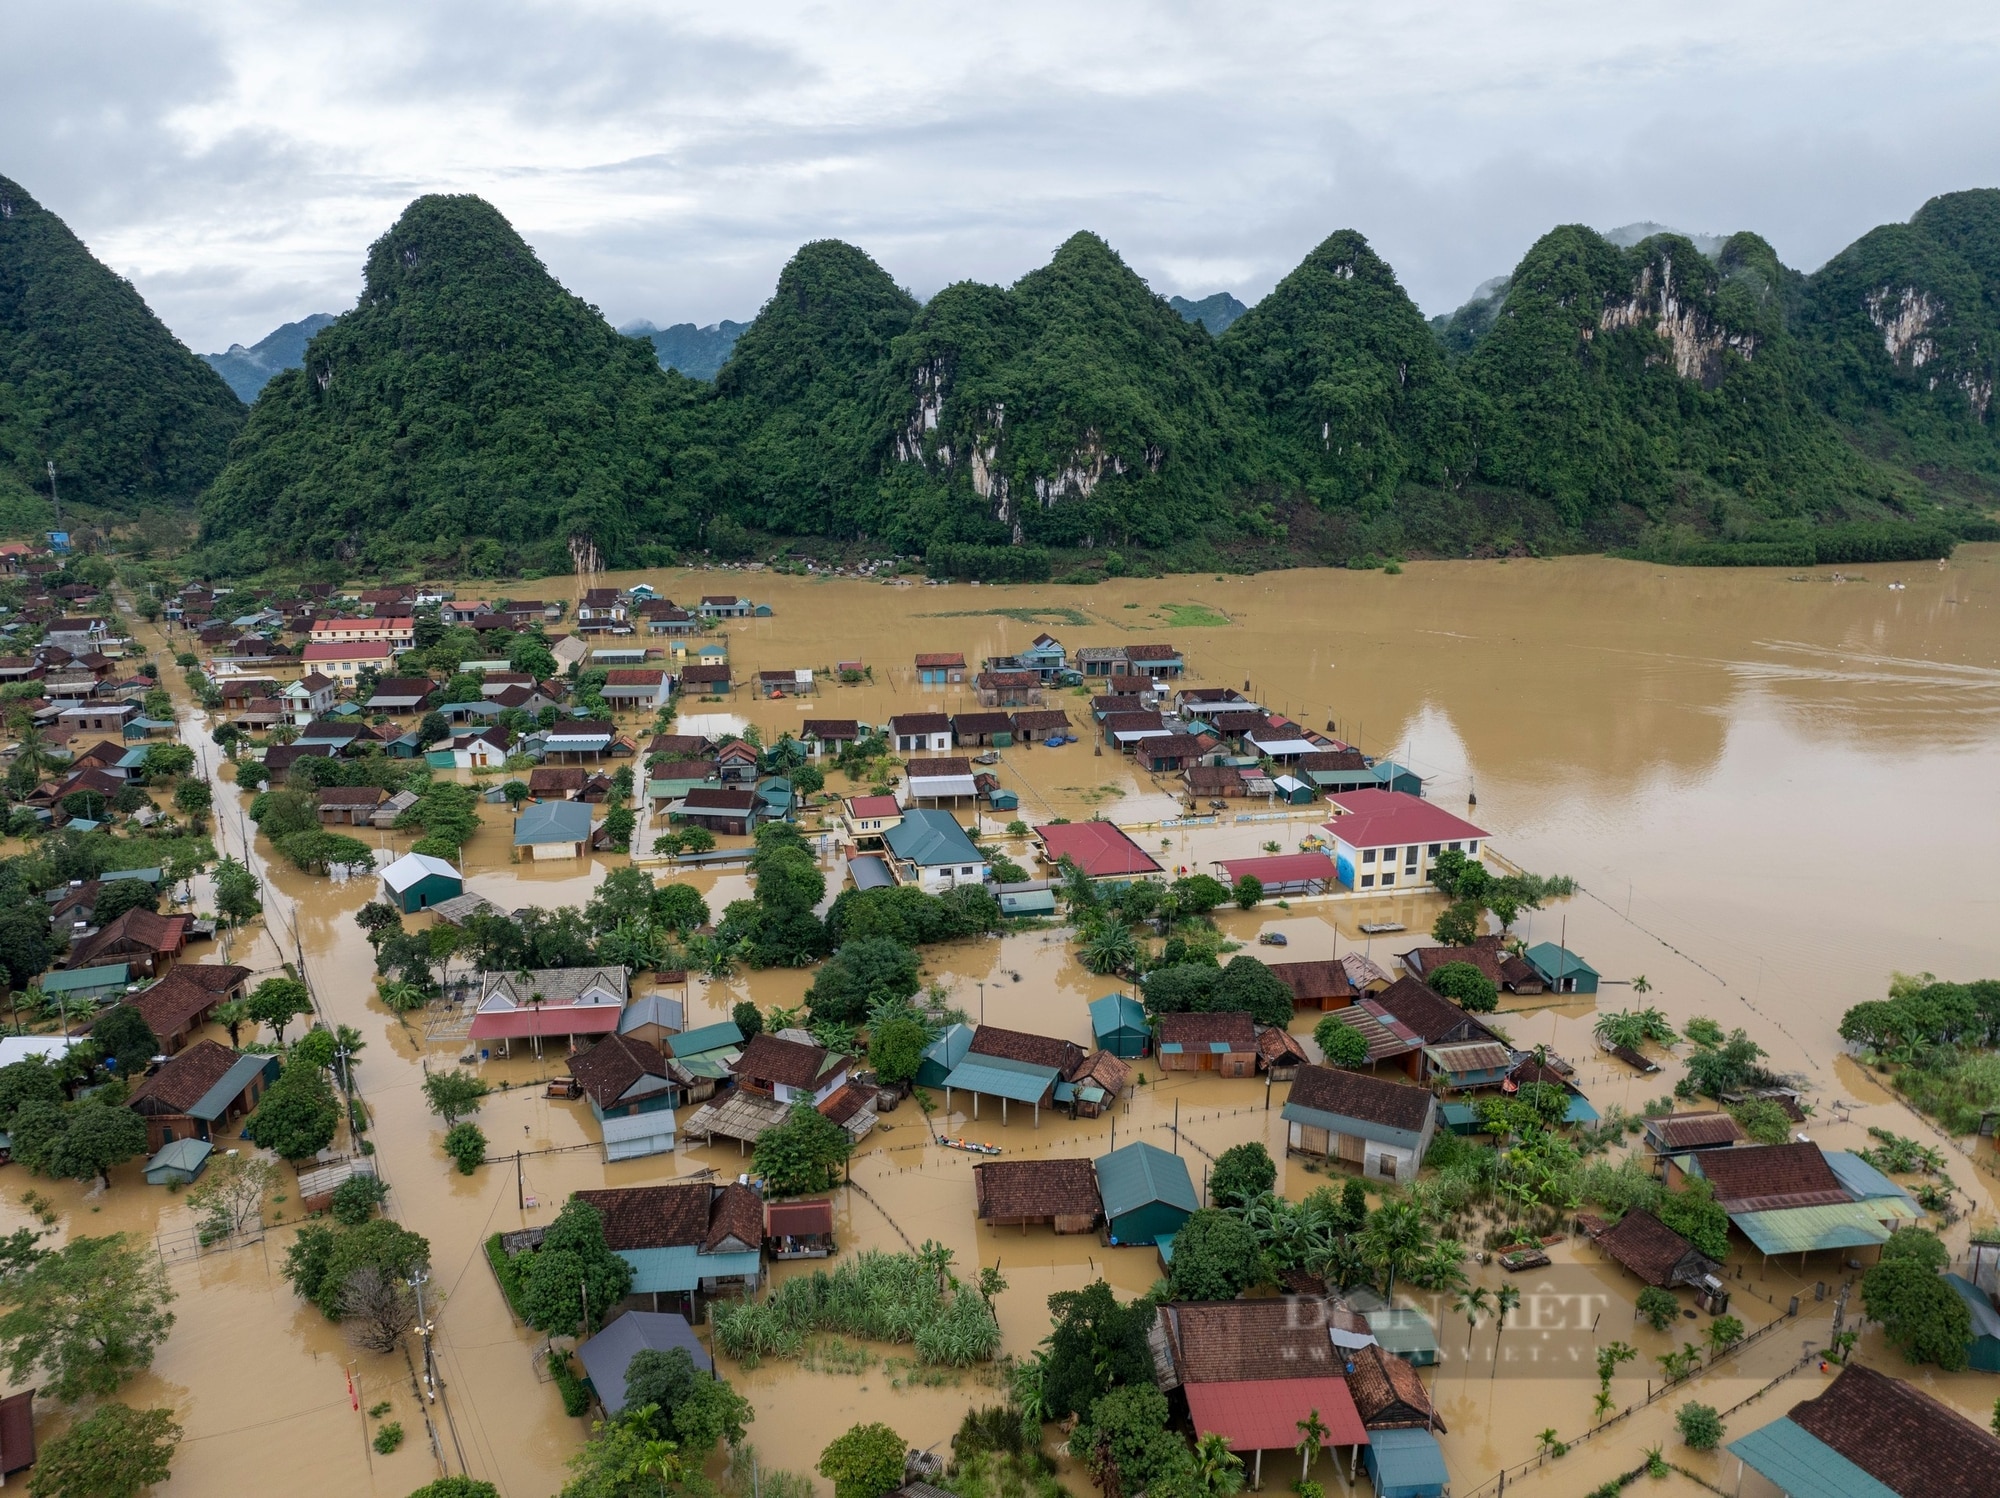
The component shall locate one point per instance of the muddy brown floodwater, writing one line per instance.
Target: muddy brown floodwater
(1774, 790)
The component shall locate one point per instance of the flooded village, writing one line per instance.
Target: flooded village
(1405, 1022)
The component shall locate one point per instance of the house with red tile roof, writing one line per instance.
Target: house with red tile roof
(1390, 839)
(1102, 850)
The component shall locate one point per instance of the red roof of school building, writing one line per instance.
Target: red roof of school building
(1100, 849)
(1387, 819)
(873, 806)
(1281, 868)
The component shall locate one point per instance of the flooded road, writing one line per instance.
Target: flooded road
(1773, 792)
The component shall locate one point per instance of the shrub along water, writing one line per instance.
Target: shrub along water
(881, 1296)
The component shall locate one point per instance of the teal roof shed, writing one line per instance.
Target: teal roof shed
(1405, 1464)
(178, 1162)
(1804, 1466)
(1562, 969)
(1147, 1193)
(1118, 1025)
(1984, 1354)
(944, 1054)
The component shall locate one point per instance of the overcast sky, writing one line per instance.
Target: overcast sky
(235, 157)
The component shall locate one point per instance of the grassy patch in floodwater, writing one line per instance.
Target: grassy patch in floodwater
(1094, 795)
(1952, 1086)
(837, 1355)
(1075, 618)
(1192, 616)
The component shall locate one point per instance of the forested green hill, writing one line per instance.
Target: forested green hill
(92, 381)
(1700, 402)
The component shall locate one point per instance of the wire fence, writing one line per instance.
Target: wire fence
(198, 1242)
(1497, 1484)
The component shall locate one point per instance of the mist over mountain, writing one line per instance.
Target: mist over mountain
(248, 369)
(1214, 312)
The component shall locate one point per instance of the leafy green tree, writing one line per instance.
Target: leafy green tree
(1762, 1120)
(457, 1487)
(1124, 1438)
(1457, 926)
(454, 1094)
(298, 1114)
(1395, 1239)
(466, 1144)
(193, 798)
(236, 892)
(1095, 1342)
(1111, 948)
(573, 1274)
(679, 907)
(804, 1153)
(690, 1407)
(1242, 1173)
(1198, 894)
(1215, 1257)
(1921, 1315)
(276, 1002)
(1697, 1216)
(1340, 1042)
(1466, 987)
(1249, 892)
(121, 895)
(861, 974)
(744, 1014)
(356, 1198)
(31, 1080)
(90, 1314)
(865, 1461)
(1658, 1308)
(896, 1048)
(1248, 985)
(316, 852)
(114, 1453)
(285, 813)
(99, 1135)
(164, 761)
(126, 1039)
(1699, 1425)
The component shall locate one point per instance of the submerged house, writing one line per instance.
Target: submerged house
(632, 1091)
(200, 1092)
(1014, 1067)
(1147, 1193)
(1060, 1194)
(1222, 1042)
(685, 1242)
(544, 1003)
(179, 1004)
(1383, 1127)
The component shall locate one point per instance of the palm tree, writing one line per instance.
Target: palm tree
(661, 1458)
(1472, 1303)
(1640, 986)
(1030, 1388)
(1218, 1469)
(1110, 949)
(1506, 1299)
(1393, 1239)
(1605, 1399)
(1312, 1435)
(233, 1016)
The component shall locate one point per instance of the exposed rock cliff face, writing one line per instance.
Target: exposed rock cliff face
(1696, 341)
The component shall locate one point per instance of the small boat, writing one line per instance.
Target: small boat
(988, 758)
(1381, 928)
(1524, 1258)
(1273, 939)
(970, 1147)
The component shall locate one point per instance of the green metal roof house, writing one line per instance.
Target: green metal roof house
(178, 1162)
(1118, 1025)
(1562, 969)
(1984, 1354)
(944, 1054)
(417, 881)
(1028, 902)
(86, 982)
(1148, 1193)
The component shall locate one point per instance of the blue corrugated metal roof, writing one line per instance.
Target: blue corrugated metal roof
(1865, 1183)
(553, 822)
(1406, 1461)
(224, 1092)
(1001, 1076)
(1803, 1465)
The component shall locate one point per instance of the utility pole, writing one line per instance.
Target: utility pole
(55, 500)
(417, 1282)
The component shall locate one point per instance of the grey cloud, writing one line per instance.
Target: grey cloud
(666, 163)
